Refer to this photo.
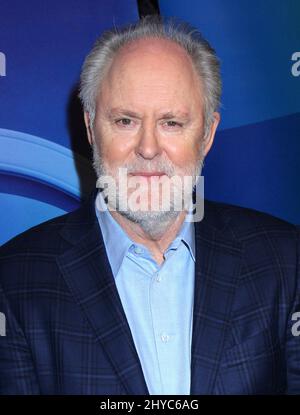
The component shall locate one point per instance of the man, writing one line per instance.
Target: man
(114, 300)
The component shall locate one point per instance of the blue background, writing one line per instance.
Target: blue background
(44, 155)
(44, 167)
(255, 160)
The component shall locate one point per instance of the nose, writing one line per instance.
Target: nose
(148, 145)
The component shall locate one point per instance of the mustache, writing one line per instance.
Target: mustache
(161, 165)
(149, 167)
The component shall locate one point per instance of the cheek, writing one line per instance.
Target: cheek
(183, 152)
(114, 149)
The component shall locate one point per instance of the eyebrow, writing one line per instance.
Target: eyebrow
(165, 116)
(170, 115)
(121, 111)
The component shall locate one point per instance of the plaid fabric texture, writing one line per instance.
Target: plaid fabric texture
(66, 331)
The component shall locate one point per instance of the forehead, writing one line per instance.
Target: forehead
(151, 70)
(153, 46)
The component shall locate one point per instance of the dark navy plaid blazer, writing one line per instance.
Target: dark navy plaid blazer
(67, 332)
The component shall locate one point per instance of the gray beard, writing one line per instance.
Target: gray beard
(153, 223)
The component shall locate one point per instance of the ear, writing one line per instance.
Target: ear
(211, 135)
(88, 127)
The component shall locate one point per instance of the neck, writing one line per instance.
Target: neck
(156, 246)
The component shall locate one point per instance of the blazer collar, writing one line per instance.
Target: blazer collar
(86, 270)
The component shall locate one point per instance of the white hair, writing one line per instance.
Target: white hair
(202, 54)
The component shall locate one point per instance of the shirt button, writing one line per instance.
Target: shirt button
(157, 277)
(138, 250)
(165, 337)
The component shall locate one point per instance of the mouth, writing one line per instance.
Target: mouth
(148, 174)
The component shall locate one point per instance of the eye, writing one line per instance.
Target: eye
(173, 124)
(124, 122)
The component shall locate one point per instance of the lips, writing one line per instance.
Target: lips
(148, 174)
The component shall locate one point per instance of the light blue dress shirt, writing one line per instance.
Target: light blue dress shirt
(157, 300)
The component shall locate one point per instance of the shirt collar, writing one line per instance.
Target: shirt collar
(117, 242)
(187, 235)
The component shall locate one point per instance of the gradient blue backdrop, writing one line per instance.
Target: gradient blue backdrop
(255, 161)
(43, 155)
(44, 168)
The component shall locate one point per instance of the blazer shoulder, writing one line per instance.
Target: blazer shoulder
(247, 222)
(266, 243)
(41, 237)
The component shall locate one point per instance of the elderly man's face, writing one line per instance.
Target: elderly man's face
(149, 112)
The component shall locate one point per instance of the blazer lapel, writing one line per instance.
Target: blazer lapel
(87, 272)
(218, 262)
